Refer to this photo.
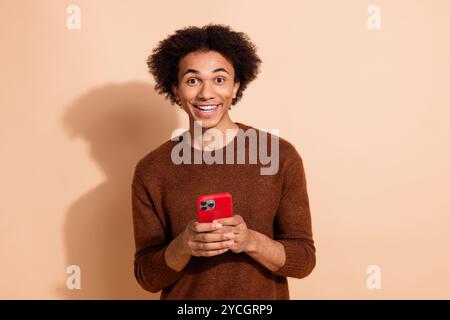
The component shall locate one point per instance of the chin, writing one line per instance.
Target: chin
(207, 124)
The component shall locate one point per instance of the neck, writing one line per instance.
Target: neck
(208, 139)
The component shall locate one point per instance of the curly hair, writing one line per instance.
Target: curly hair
(236, 47)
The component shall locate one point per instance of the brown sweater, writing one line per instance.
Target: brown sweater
(164, 201)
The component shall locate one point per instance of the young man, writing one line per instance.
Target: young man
(247, 256)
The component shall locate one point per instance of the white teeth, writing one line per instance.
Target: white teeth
(207, 108)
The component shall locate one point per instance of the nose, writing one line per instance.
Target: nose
(206, 92)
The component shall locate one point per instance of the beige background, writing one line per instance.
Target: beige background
(367, 110)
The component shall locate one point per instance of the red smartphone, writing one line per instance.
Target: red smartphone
(214, 206)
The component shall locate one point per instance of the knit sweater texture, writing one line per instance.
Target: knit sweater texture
(164, 194)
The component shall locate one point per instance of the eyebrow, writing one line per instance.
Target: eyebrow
(196, 71)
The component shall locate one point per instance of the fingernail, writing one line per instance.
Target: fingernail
(229, 235)
(230, 244)
(217, 225)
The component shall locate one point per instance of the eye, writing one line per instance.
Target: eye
(192, 81)
(220, 80)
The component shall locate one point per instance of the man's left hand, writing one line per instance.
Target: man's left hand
(237, 229)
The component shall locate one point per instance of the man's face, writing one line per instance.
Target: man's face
(206, 87)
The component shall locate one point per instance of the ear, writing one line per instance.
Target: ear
(236, 88)
(175, 90)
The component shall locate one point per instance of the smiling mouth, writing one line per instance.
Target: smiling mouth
(207, 108)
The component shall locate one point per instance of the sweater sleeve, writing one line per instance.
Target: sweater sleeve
(293, 221)
(151, 240)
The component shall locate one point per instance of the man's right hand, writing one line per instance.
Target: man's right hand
(207, 239)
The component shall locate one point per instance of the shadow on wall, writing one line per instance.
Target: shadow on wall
(121, 123)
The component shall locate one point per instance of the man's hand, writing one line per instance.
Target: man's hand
(212, 239)
(264, 250)
(206, 239)
(243, 240)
